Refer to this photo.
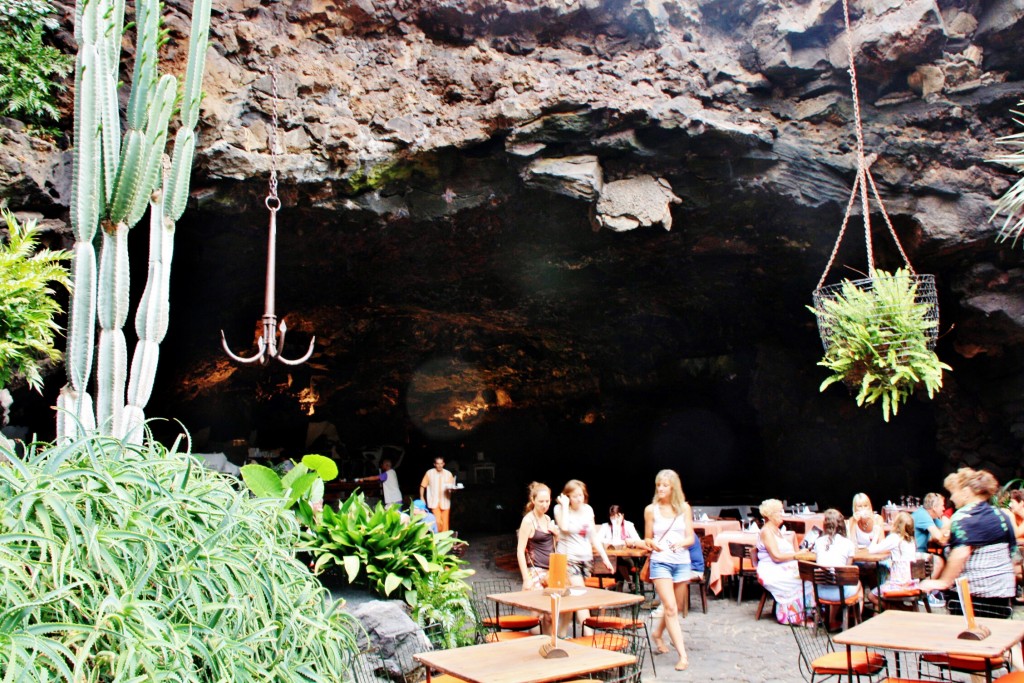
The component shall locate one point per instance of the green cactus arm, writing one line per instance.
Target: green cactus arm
(144, 75)
(156, 141)
(87, 20)
(86, 168)
(112, 39)
(111, 133)
(193, 88)
(151, 315)
(111, 368)
(113, 282)
(133, 155)
(143, 374)
(81, 316)
(181, 170)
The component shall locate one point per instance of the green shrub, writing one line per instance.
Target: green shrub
(440, 598)
(880, 341)
(27, 306)
(380, 549)
(138, 564)
(31, 72)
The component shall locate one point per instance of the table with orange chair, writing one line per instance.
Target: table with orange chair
(714, 527)
(727, 564)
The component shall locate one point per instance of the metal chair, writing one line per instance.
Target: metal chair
(965, 664)
(818, 656)
(711, 554)
(623, 621)
(907, 598)
(630, 643)
(494, 615)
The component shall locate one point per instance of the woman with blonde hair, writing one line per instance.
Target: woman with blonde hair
(901, 548)
(668, 532)
(578, 537)
(865, 527)
(981, 539)
(777, 568)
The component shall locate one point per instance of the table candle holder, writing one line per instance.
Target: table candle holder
(558, 574)
(551, 650)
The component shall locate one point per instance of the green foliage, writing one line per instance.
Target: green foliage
(302, 484)
(31, 72)
(441, 598)
(380, 549)
(880, 341)
(1011, 204)
(138, 564)
(27, 306)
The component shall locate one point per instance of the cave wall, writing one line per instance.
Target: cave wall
(477, 202)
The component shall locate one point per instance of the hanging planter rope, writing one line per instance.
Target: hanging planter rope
(879, 332)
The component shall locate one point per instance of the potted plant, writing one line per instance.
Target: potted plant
(878, 335)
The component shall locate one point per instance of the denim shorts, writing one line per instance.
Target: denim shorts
(676, 572)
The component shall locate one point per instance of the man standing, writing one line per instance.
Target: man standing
(436, 490)
(926, 529)
(388, 479)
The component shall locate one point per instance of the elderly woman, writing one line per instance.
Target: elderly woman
(864, 527)
(981, 540)
(776, 565)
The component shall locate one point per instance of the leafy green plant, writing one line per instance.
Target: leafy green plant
(380, 548)
(441, 598)
(880, 341)
(125, 563)
(1011, 204)
(31, 72)
(302, 484)
(27, 304)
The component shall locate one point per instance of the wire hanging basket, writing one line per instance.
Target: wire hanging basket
(925, 294)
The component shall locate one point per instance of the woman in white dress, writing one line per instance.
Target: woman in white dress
(777, 569)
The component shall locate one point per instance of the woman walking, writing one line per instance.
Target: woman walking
(537, 536)
(578, 537)
(668, 532)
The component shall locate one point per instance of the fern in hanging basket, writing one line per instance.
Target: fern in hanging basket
(879, 334)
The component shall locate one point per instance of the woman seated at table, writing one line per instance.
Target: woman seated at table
(901, 549)
(776, 565)
(834, 549)
(619, 533)
(981, 539)
(1015, 501)
(865, 526)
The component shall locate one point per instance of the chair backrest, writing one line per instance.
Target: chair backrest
(484, 587)
(806, 570)
(921, 569)
(365, 665)
(982, 609)
(730, 513)
(813, 642)
(836, 576)
(752, 554)
(635, 645)
(739, 551)
(796, 526)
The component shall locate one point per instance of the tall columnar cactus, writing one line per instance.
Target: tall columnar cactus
(114, 179)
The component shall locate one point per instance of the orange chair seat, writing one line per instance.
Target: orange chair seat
(834, 663)
(502, 636)
(446, 678)
(900, 593)
(903, 680)
(852, 600)
(962, 662)
(1015, 677)
(608, 642)
(515, 622)
(612, 623)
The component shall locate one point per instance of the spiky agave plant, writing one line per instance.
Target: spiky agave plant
(114, 180)
(1011, 204)
(880, 341)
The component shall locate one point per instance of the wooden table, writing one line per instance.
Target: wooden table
(519, 661)
(924, 632)
(578, 599)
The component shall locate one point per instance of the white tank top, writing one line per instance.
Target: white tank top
(670, 530)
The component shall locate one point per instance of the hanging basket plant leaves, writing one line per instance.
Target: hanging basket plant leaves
(879, 334)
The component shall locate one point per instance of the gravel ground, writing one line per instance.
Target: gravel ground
(726, 644)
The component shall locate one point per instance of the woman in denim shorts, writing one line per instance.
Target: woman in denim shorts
(668, 532)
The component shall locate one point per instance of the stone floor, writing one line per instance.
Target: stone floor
(726, 644)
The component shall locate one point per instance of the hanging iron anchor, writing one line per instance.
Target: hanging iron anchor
(271, 342)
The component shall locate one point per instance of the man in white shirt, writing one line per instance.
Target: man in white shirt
(388, 479)
(436, 490)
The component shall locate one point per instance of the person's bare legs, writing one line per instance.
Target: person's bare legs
(564, 619)
(670, 595)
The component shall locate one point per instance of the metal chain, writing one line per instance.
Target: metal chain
(272, 201)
